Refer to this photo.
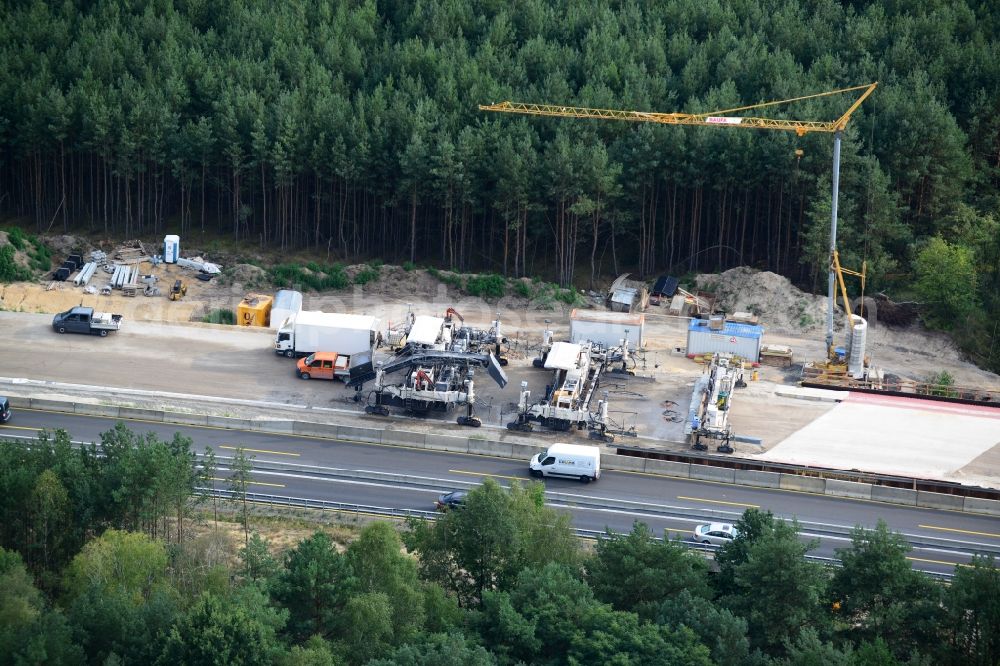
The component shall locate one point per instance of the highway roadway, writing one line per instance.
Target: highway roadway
(405, 478)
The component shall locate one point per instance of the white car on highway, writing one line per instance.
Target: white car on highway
(716, 534)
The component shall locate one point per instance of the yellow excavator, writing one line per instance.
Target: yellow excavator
(179, 289)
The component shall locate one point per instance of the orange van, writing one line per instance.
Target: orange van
(324, 365)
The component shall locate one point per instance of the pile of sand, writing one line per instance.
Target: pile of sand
(246, 274)
(781, 306)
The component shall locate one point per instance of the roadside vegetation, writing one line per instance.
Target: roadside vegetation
(99, 564)
(220, 316)
(36, 257)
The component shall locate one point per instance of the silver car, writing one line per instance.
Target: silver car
(716, 534)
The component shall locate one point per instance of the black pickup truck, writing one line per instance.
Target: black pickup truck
(84, 320)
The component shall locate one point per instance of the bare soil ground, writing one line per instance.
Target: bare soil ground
(790, 317)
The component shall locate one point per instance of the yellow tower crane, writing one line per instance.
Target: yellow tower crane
(722, 118)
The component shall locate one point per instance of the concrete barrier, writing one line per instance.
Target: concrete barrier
(107, 411)
(889, 495)
(321, 430)
(276, 427)
(18, 402)
(940, 500)
(752, 477)
(979, 505)
(706, 473)
(679, 470)
(486, 447)
(805, 484)
(447, 443)
(51, 405)
(355, 434)
(622, 463)
(404, 438)
(137, 414)
(852, 489)
(226, 423)
(185, 419)
(523, 451)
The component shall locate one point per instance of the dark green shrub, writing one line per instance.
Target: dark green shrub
(220, 316)
(316, 278)
(366, 275)
(569, 297)
(17, 238)
(487, 286)
(523, 289)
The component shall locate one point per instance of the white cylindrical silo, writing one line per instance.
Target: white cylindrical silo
(856, 347)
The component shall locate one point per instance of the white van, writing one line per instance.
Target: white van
(568, 460)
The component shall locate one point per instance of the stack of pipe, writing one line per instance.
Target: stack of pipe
(83, 277)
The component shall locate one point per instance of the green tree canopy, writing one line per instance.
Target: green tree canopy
(490, 539)
(636, 572)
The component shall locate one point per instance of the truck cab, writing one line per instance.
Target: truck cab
(324, 365)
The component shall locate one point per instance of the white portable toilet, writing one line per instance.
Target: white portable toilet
(171, 248)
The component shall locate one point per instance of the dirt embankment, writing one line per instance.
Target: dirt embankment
(789, 315)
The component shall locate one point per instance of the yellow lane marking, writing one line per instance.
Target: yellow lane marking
(254, 483)
(953, 529)
(21, 427)
(951, 564)
(699, 499)
(492, 476)
(277, 453)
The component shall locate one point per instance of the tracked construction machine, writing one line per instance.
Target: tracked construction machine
(711, 400)
(448, 333)
(577, 369)
(432, 381)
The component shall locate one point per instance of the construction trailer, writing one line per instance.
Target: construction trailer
(569, 398)
(711, 400)
(433, 381)
(716, 335)
(607, 328)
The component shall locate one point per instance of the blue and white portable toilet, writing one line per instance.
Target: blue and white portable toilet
(171, 248)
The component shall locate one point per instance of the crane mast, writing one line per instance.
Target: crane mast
(723, 118)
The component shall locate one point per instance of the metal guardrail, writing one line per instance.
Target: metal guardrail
(394, 512)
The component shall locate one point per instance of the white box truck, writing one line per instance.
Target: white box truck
(311, 331)
(574, 461)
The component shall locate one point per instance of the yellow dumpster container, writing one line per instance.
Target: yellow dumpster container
(254, 310)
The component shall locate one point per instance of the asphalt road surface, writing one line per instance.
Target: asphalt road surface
(307, 467)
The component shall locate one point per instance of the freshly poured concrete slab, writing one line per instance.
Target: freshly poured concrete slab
(891, 435)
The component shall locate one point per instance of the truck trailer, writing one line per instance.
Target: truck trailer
(311, 331)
